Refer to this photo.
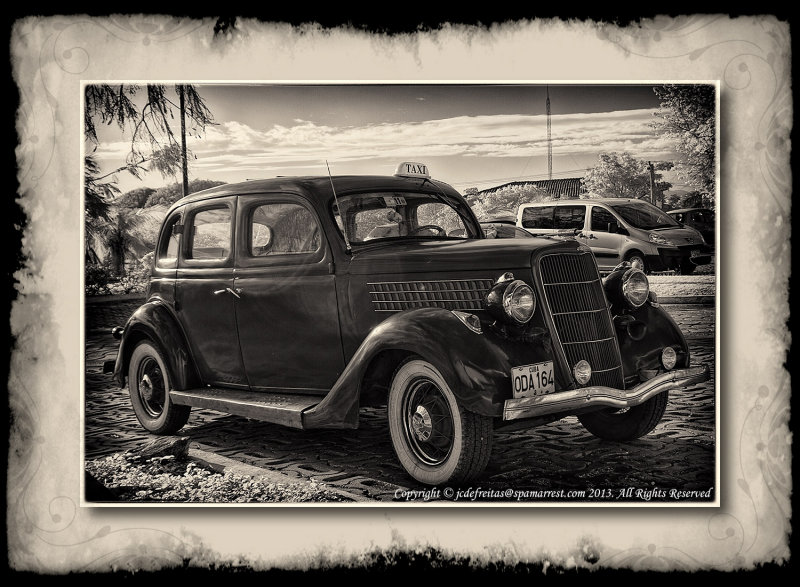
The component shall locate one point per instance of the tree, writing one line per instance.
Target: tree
(505, 200)
(118, 234)
(620, 175)
(687, 115)
(154, 145)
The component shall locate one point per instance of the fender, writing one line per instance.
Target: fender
(642, 338)
(476, 366)
(155, 321)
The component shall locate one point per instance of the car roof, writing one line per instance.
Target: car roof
(313, 185)
(585, 201)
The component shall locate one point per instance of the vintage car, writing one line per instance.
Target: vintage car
(278, 300)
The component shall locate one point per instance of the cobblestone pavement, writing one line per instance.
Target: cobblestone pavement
(679, 454)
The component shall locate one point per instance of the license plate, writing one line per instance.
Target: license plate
(532, 380)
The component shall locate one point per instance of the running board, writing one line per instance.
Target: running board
(283, 409)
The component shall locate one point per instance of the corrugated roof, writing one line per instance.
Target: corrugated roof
(565, 188)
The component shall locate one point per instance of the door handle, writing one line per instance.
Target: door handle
(229, 290)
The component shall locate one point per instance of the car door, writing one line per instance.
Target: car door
(606, 245)
(204, 295)
(286, 311)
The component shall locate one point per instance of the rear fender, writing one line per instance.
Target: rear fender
(155, 321)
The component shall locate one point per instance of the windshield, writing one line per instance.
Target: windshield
(645, 216)
(401, 215)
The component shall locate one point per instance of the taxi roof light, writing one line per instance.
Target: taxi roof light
(412, 169)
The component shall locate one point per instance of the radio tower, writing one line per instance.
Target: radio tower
(549, 140)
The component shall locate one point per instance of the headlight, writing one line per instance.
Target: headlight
(519, 301)
(582, 371)
(511, 300)
(669, 357)
(660, 240)
(635, 287)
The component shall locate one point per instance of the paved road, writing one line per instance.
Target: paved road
(678, 455)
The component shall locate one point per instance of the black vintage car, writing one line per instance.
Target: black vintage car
(299, 300)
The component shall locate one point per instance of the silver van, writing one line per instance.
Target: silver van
(617, 230)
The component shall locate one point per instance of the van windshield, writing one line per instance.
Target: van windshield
(644, 216)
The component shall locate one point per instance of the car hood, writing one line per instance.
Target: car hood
(679, 236)
(424, 256)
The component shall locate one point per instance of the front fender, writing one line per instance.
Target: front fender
(641, 342)
(476, 366)
(155, 321)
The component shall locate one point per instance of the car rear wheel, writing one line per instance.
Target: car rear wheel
(148, 384)
(436, 440)
(626, 424)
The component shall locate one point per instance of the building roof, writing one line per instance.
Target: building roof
(565, 188)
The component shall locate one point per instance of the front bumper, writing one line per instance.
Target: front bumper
(590, 397)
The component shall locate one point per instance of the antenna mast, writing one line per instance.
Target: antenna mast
(549, 139)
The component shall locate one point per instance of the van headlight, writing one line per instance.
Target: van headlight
(511, 300)
(660, 240)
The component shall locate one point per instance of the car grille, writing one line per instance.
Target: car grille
(574, 296)
(461, 294)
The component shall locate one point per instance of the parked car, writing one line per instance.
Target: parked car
(618, 230)
(701, 219)
(275, 300)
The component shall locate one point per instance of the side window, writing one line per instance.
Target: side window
(282, 229)
(210, 234)
(601, 219)
(168, 246)
(540, 217)
(570, 217)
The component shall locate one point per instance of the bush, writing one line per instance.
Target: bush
(101, 279)
(96, 279)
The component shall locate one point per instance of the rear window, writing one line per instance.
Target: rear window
(538, 217)
(569, 217)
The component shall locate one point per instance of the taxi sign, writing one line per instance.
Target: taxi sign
(412, 169)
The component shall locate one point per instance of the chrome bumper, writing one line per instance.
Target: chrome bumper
(587, 397)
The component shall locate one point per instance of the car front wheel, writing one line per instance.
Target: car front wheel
(436, 440)
(148, 384)
(628, 423)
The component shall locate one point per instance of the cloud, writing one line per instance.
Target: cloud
(306, 144)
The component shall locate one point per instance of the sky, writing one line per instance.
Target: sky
(469, 135)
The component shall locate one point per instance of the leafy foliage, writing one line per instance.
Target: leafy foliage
(170, 194)
(687, 115)
(154, 145)
(621, 175)
(505, 200)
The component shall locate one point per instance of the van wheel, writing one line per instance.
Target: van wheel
(637, 261)
(148, 384)
(628, 423)
(435, 439)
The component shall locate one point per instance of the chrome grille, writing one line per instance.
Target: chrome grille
(574, 295)
(460, 294)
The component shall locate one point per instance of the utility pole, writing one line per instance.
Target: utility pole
(652, 183)
(184, 162)
(549, 139)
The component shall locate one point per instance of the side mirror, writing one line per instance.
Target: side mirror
(612, 227)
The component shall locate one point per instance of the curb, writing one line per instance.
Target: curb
(223, 465)
(113, 298)
(697, 300)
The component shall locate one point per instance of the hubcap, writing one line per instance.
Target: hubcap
(151, 387)
(428, 423)
(421, 423)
